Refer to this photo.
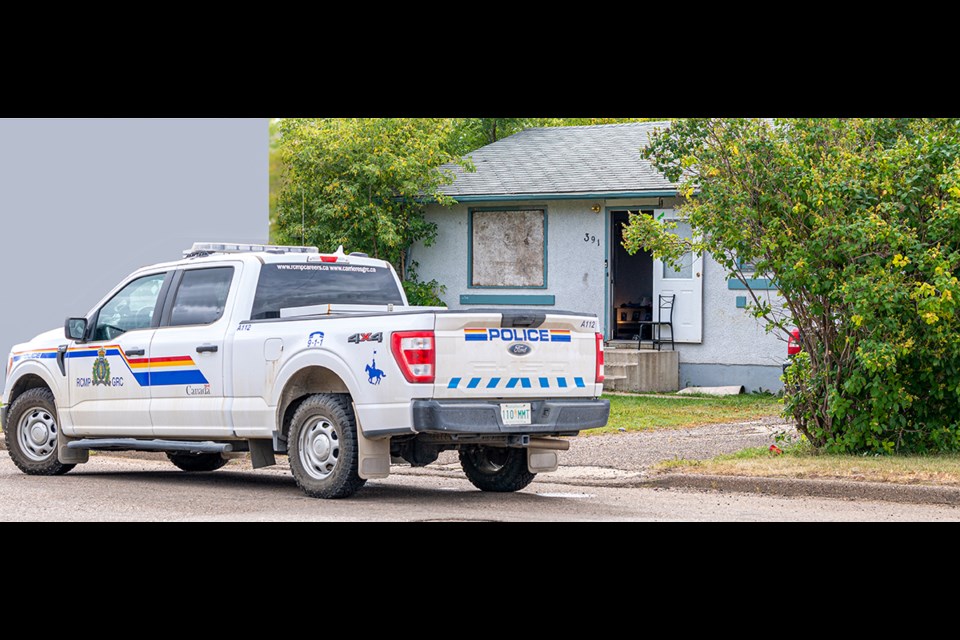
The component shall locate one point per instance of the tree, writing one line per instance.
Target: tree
(858, 222)
(469, 134)
(277, 176)
(362, 183)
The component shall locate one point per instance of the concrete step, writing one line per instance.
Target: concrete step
(643, 370)
(613, 383)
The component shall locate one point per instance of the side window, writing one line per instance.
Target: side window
(685, 272)
(132, 308)
(201, 296)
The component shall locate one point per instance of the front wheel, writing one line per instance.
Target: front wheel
(33, 434)
(496, 469)
(322, 447)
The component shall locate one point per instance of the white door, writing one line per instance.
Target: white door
(109, 374)
(686, 284)
(187, 355)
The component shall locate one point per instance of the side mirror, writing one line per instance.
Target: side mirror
(75, 328)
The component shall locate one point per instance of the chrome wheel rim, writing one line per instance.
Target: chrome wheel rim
(319, 448)
(37, 434)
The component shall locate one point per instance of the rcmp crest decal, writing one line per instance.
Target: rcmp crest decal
(101, 369)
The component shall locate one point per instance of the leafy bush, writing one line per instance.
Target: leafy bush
(425, 294)
(858, 222)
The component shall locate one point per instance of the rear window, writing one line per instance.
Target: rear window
(283, 286)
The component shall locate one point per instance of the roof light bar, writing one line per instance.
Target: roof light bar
(232, 247)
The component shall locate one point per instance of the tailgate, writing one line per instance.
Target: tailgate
(515, 354)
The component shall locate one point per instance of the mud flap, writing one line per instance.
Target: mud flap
(540, 461)
(374, 459)
(261, 453)
(70, 456)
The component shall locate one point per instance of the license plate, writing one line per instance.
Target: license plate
(518, 413)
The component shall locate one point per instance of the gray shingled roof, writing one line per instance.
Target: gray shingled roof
(600, 159)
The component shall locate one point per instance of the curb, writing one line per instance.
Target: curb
(791, 487)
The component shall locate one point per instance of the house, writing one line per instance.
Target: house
(539, 225)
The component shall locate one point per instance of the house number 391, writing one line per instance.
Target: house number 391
(592, 239)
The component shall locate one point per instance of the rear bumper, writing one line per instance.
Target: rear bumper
(483, 418)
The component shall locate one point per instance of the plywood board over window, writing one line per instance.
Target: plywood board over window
(508, 248)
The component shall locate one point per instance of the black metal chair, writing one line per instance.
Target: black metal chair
(656, 326)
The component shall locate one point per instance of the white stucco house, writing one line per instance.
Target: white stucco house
(538, 225)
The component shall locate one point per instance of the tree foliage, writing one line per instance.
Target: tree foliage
(362, 183)
(469, 134)
(858, 222)
(277, 177)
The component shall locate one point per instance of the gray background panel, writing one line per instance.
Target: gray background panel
(83, 202)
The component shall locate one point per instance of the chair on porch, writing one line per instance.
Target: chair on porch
(665, 308)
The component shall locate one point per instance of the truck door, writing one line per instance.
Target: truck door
(108, 375)
(187, 355)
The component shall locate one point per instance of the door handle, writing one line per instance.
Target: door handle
(134, 352)
(207, 348)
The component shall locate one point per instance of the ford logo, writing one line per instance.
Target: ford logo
(520, 349)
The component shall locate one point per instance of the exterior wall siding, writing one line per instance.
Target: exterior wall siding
(735, 348)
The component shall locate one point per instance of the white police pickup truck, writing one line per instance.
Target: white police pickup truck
(266, 350)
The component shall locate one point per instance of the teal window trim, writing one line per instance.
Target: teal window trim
(745, 267)
(757, 284)
(741, 302)
(524, 299)
(546, 236)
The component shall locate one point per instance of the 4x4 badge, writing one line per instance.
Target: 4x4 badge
(357, 338)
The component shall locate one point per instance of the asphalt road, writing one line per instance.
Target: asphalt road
(117, 488)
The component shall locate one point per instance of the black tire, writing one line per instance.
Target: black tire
(196, 461)
(496, 469)
(328, 469)
(35, 406)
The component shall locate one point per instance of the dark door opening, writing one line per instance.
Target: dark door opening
(631, 283)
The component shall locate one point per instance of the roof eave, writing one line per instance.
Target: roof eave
(597, 195)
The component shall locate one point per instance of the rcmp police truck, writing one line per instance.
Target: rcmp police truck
(284, 350)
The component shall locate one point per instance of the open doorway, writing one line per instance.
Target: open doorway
(631, 282)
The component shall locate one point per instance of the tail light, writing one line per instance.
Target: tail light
(599, 371)
(415, 354)
(328, 258)
(793, 343)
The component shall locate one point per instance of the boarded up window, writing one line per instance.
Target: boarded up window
(507, 249)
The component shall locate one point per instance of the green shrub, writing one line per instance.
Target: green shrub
(858, 222)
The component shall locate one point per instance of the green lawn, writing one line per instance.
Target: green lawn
(801, 460)
(645, 412)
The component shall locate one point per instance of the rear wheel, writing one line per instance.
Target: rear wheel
(34, 432)
(322, 447)
(196, 461)
(496, 469)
